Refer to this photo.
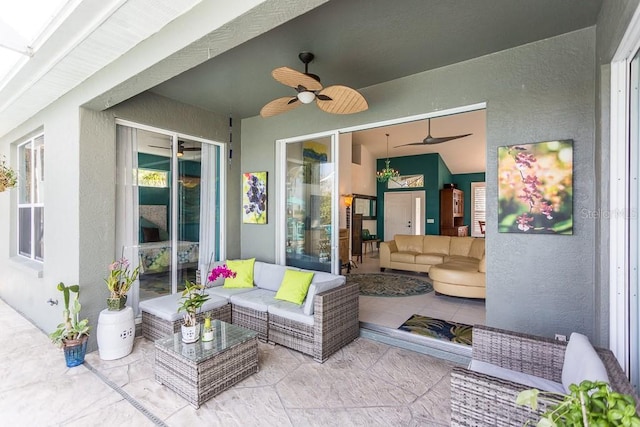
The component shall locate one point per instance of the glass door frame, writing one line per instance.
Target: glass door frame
(222, 171)
(281, 196)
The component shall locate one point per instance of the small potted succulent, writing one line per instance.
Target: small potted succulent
(119, 282)
(193, 298)
(8, 177)
(72, 333)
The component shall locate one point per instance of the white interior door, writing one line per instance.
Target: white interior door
(403, 212)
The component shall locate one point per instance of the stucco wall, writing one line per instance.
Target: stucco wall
(543, 91)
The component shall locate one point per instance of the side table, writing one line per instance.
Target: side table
(201, 370)
(116, 331)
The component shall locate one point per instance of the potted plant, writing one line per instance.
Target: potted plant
(8, 177)
(119, 282)
(72, 333)
(588, 404)
(193, 298)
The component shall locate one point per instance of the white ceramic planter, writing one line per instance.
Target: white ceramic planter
(190, 333)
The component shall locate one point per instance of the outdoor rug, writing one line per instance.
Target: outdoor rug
(390, 285)
(458, 333)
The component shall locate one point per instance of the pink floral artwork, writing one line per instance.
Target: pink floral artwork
(535, 188)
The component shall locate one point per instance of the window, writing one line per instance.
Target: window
(153, 178)
(478, 207)
(31, 199)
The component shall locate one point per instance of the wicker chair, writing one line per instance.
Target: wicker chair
(483, 400)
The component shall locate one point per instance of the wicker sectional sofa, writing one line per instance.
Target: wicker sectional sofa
(325, 322)
(482, 399)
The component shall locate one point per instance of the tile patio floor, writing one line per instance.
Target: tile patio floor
(366, 384)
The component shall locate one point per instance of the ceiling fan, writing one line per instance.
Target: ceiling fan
(336, 99)
(181, 148)
(430, 140)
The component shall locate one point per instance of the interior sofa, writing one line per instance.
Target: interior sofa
(326, 321)
(504, 363)
(456, 265)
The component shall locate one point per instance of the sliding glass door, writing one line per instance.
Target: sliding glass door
(169, 207)
(310, 201)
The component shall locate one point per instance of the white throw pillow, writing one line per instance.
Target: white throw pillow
(581, 362)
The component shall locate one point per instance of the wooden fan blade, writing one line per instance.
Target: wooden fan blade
(344, 100)
(280, 105)
(290, 77)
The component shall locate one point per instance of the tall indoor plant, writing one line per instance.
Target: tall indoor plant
(72, 333)
(119, 282)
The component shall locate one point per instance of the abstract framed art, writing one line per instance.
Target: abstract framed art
(254, 198)
(535, 188)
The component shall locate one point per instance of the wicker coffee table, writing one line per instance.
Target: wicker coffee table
(201, 370)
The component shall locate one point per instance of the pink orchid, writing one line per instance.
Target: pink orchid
(523, 222)
(221, 271)
(546, 209)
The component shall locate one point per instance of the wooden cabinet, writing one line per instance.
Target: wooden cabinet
(343, 247)
(356, 237)
(452, 213)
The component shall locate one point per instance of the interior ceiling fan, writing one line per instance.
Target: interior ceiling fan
(430, 140)
(181, 148)
(336, 99)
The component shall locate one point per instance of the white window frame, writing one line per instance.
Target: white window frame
(623, 284)
(475, 226)
(31, 204)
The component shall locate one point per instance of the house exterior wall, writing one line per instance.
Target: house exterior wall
(80, 202)
(536, 92)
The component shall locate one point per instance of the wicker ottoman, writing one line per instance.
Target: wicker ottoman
(201, 370)
(160, 317)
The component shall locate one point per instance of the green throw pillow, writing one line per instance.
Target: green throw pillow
(244, 273)
(294, 286)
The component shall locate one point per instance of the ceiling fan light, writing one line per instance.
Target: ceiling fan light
(306, 97)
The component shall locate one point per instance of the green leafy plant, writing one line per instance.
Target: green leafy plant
(588, 404)
(193, 297)
(72, 328)
(8, 177)
(120, 278)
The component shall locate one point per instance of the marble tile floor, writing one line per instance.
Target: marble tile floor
(366, 383)
(393, 312)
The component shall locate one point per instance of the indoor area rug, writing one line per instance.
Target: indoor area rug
(390, 285)
(458, 333)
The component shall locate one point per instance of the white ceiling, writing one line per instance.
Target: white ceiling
(464, 155)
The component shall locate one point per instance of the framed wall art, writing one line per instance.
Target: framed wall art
(535, 188)
(254, 198)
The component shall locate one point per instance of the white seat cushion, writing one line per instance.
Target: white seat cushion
(581, 362)
(227, 292)
(258, 299)
(290, 311)
(515, 376)
(166, 307)
(269, 276)
(321, 282)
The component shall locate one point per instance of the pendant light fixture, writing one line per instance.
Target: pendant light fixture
(388, 172)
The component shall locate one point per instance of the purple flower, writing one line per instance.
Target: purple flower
(524, 160)
(546, 209)
(523, 222)
(220, 271)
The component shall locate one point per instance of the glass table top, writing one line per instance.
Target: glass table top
(225, 336)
